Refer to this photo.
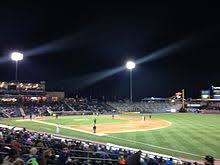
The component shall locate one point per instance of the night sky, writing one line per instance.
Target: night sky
(67, 44)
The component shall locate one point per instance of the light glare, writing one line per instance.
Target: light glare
(130, 65)
(16, 56)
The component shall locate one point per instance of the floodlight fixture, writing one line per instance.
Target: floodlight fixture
(130, 65)
(16, 56)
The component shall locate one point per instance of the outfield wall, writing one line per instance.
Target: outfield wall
(211, 111)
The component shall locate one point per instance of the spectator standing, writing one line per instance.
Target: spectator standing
(121, 160)
(12, 157)
(169, 161)
(63, 156)
(49, 157)
(209, 160)
(32, 157)
(134, 159)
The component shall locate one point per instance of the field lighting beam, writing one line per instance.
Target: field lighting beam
(130, 65)
(16, 56)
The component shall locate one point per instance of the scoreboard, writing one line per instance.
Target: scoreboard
(22, 88)
(215, 92)
(205, 94)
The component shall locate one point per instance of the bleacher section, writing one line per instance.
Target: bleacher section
(147, 107)
(62, 107)
(203, 106)
(23, 146)
(213, 106)
(83, 106)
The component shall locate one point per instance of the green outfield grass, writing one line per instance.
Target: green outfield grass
(80, 120)
(190, 135)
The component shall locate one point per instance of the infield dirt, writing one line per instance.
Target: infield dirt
(131, 125)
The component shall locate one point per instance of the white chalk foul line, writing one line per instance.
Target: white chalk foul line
(155, 146)
(106, 135)
(66, 127)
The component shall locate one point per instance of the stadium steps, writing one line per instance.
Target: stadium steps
(49, 111)
(70, 107)
(22, 112)
(6, 114)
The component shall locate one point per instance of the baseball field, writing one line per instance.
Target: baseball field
(188, 136)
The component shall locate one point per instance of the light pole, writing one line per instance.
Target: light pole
(130, 65)
(16, 56)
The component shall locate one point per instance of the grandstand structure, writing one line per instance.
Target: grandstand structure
(149, 105)
(23, 90)
(79, 151)
(27, 91)
(209, 103)
(21, 99)
(25, 98)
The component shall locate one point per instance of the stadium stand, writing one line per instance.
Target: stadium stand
(9, 109)
(213, 106)
(80, 106)
(147, 106)
(205, 107)
(68, 106)
(17, 109)
(20, 146)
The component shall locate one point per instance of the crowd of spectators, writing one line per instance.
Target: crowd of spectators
(84, 104)
(20, 146)
(43, 107)
(147, 106)
(213, 106)
(36, 148)
(39, 108)
(18, 108)
(9, 109)
(204, 107)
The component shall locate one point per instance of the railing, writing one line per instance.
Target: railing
(22, 112)
(108, 145)
(144, 153)
(72, 152)
(70, 107)
(102, 161)
(106, 157)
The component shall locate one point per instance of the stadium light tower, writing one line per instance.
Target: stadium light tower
(130, 65)
(16, 56)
